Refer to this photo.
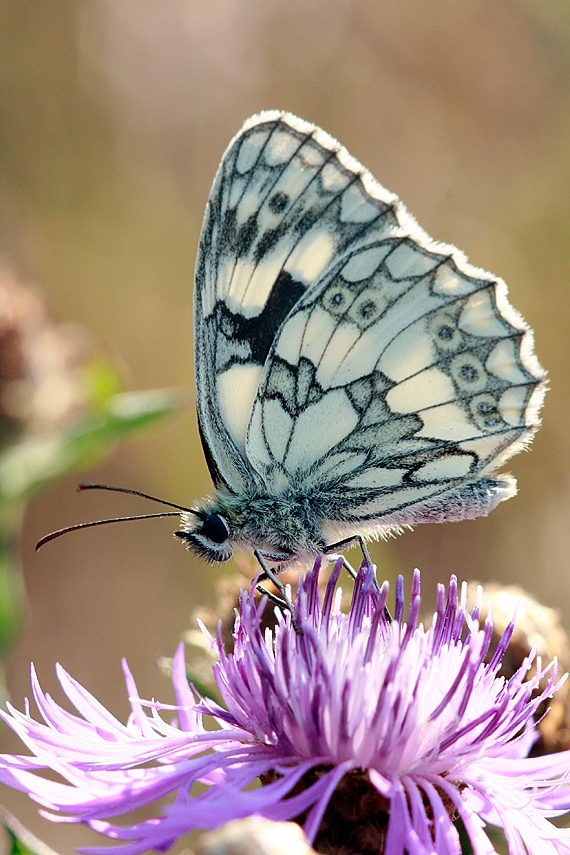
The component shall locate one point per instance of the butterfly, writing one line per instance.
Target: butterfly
(353, 376)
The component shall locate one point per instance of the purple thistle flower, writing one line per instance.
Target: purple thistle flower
(373, 734)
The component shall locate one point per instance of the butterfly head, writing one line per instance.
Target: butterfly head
(283, 529)
(207, 534)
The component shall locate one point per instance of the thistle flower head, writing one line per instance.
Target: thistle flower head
(381, 734)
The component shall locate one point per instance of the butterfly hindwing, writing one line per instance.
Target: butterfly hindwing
(396, 387)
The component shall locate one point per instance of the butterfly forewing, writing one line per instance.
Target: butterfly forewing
(344, 356)
(286, 202)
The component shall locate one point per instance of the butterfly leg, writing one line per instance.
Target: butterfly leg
(342, 544)
(283, 601)
(349, 568)
(365, 551)
(368, 560)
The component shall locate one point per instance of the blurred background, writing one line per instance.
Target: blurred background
(113, 118)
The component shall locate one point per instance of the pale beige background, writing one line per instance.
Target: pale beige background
(113, 116)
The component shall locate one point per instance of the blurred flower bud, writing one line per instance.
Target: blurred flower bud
(254, 836)
(42, 365)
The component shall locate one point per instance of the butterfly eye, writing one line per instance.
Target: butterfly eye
(215, 528)
(208, 536)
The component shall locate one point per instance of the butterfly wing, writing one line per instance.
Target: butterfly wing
(286, 202)
(401, 378)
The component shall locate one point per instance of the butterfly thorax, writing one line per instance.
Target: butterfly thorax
(282, 527)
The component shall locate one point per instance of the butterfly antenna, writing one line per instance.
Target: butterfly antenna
(55, 534)
(285, 602)
(81, 487)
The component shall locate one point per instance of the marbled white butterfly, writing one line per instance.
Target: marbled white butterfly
(353, 376)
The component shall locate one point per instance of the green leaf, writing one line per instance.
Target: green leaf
(11, 599)
(36, 461)
(101, 381)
